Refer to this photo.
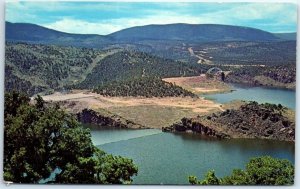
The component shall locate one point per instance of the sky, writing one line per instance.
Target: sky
(108, 17)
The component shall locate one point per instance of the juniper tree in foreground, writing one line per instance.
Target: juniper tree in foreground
(39, 140)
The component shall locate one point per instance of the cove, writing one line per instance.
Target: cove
(168, 158)
(260, 94)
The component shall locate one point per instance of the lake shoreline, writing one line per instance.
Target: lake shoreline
(158, 113)
(160, 155)
(250, 120)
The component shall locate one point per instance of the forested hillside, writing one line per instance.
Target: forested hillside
(248, 53)
(283, 76)
(33, 33)
(192, 33)
(144, 86)
(39, 68)
(34, 68)
(131, 64)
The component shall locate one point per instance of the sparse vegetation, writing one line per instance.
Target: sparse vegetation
(250, 120)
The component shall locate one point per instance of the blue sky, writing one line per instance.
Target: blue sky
(104, 18)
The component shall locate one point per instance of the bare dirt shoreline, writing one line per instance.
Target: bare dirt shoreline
(151, 112)
(200, 84)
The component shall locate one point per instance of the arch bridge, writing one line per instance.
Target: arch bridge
(214, 70)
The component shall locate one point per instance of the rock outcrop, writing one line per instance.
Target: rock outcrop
(251, 120)
(106, 119)
(191, 125)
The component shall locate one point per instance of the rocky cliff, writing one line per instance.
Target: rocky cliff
(101, 119)
(195, 125)
(251, 120)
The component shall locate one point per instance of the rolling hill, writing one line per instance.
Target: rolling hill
(248, 53)
(170, 32)
(34, 68)
(192, 33)
(286, 36)
(126, 65)
(39, 59)
(143, 86)
(32, 33)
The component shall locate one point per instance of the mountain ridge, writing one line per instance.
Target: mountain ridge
(33, 33)
(190, 32)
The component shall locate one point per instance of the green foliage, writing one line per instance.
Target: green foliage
(14, 82)
(263, 170)
(42, 68)
(281, 73)
(35, 68)
(250, 53)
(270, 171)
(238, 177)
(128, 65)
(210, 179)
(117, 170)
(40, 139)
(144, 86)
(273, 107)
(40, 103)
(13, 101)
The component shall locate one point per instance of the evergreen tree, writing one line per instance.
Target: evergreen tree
(39, 140)
(263, 170)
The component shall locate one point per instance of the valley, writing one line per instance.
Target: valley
(150, 81)
(168, 96)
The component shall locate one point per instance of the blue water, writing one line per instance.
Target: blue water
(167, 158)
(260, 94)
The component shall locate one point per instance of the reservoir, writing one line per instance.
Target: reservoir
(260, 94)
(168, 158)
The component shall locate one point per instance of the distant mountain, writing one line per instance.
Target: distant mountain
(192, 32)
(33, 33)
(286, 36)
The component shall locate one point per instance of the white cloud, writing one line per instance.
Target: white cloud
(113, 25)
(83, 27)
(261, 15)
